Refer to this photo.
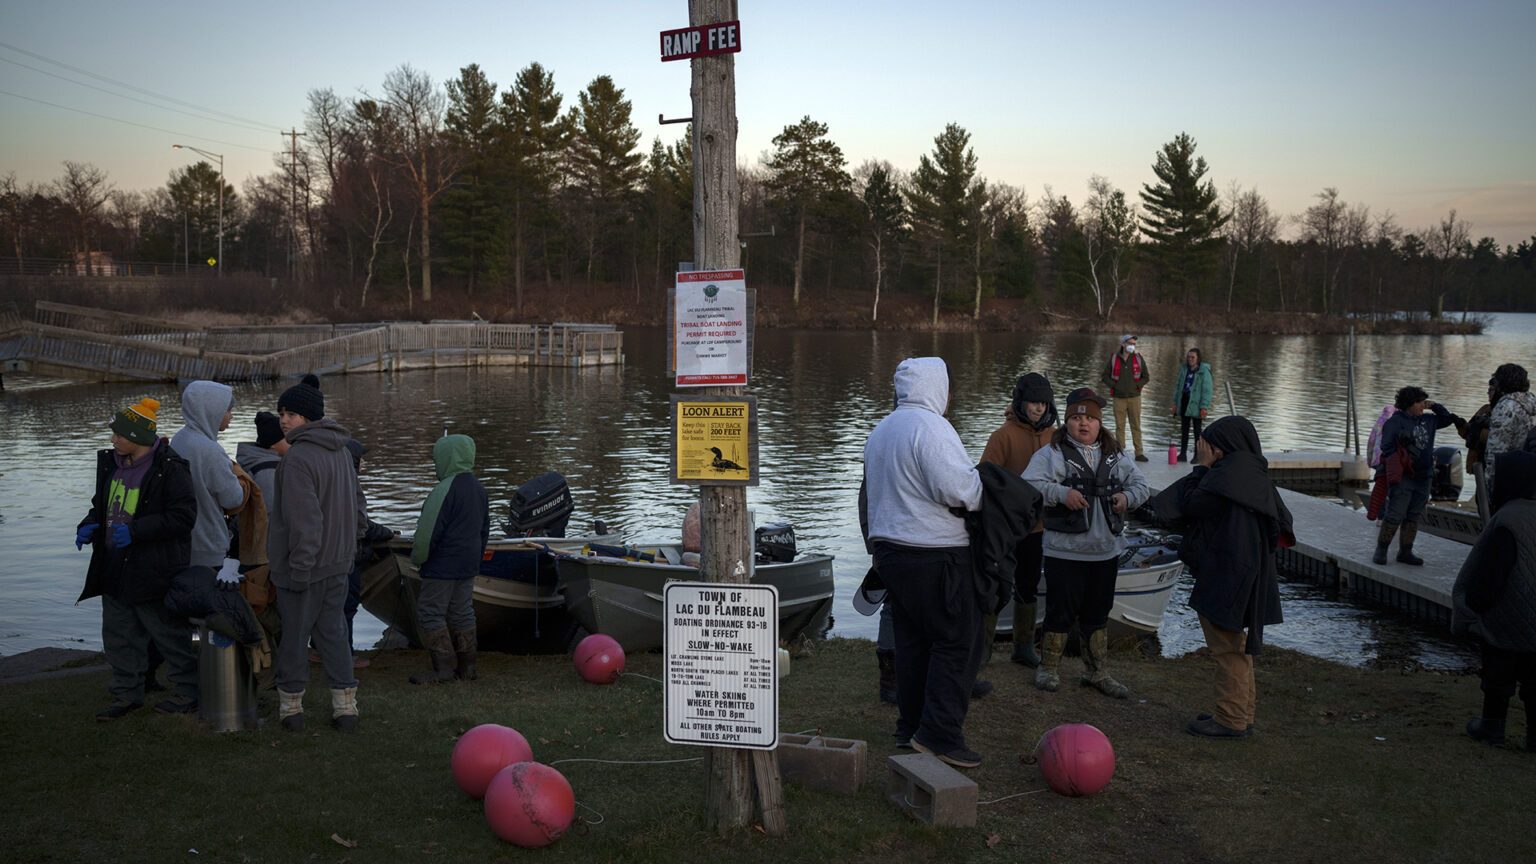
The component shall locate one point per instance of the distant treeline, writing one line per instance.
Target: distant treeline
(487, 190)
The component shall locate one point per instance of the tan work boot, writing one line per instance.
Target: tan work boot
(1096, 657)
(290, 710)
(440, 644)
(1051, 645)
(344, 708)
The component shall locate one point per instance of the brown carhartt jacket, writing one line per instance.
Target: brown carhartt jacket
(1014, 444)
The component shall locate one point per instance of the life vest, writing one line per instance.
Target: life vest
(1098, 486)
(1136, 367)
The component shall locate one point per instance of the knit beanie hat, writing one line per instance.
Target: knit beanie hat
(1086, 402)
(268, 430)
(137, 422)
(304, 399)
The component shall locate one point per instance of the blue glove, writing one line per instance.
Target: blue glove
(84, 534)
(120, 536)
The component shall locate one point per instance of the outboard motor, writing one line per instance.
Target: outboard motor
(541, 507)
(774, 544)
(1446, 485)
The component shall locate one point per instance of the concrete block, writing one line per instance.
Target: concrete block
(931, 791)
(817, 762)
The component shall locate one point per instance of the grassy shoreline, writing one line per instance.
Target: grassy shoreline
(1346, 764)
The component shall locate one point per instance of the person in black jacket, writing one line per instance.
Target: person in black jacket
(1412, 431)
(1233, 519)
(140, 531)
(451, 534)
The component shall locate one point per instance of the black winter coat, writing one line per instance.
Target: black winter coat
(1010, 507)
(462, 530)
(1233, 519)
(161, 529)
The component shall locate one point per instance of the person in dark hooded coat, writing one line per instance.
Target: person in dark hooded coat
(1233, 519)
(1494, 597)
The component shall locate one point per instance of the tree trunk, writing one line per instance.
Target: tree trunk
(976, 309)
(426, 246)
(938, 281)
(874, 312)
(799, 256)
(517, 256)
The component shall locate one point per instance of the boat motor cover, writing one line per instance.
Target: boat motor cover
(775, 543)
(1448, 477)
(541, 507)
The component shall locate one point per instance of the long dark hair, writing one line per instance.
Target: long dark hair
(1199, 358)
(1107, 441)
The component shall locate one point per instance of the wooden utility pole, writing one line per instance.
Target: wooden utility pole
(726, 554)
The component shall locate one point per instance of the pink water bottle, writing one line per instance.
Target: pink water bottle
(1173, 454)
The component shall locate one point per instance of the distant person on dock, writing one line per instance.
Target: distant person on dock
(317, 517)
(1512, 418)
(1494, 599)
(1029, 421)
(139, 528)
(1192, 394)
(1411, 431)
(1088, 485)
(916, 470)
(1233, 520)
(1124, 377)
(451, 534)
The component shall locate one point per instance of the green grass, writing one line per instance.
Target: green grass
(1347, 765)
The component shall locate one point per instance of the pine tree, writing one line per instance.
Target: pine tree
(1182, 216)
(805, 170)
(605, 165)
(886, 225)
(944, 197)
(472, 226)
(534, 140)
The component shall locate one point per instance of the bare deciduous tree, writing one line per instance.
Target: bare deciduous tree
(417, 106)
(1110, 234)
(84, 188)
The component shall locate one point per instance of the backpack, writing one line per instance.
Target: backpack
(1373, 444)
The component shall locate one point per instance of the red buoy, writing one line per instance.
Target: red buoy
(1076, 759)
(599, 659)
(484, 750)
(529, 804)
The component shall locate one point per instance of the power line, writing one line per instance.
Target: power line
(135, 98)
(139, 125)
(126, 86)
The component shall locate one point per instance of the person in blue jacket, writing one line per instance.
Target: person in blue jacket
(1414, 432)
(450, 540)
(1192, 393)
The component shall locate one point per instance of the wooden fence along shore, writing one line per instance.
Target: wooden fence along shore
(81, 342)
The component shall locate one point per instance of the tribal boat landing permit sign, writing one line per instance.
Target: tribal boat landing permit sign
(710, 316)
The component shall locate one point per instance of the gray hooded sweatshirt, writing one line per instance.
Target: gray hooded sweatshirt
(318, 512)
(261, 463)
(203, 405)
(915, 466)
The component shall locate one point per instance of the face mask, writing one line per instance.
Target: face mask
(1130, 349)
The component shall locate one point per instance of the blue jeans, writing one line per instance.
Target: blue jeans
(1406, 500)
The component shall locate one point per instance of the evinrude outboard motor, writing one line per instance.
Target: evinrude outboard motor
(1447, 482)
(541, 507)
(774, 543)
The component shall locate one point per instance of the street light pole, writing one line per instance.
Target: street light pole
(220, 157)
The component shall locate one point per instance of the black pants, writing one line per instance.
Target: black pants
(1502, 672)
(1029, 555)
(1184, 424)
(1080, 592)
(939, 639)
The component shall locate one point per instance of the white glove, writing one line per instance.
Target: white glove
(229, 574)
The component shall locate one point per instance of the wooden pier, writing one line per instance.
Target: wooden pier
(77, 341)
(1334, 544)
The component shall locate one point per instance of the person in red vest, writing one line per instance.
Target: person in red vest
(1124, 377)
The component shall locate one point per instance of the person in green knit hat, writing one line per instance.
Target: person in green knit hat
(450, 540)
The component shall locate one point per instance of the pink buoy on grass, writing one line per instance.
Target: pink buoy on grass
(599, 659)
(1076, 759)
(483, 751)
(529, 804)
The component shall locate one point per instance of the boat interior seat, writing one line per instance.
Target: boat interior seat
(670, 554)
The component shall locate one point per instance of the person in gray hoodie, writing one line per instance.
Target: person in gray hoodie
(317, 518)
(916, 470)
(1089, 483)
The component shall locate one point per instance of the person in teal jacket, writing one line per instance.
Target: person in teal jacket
(1192, 393)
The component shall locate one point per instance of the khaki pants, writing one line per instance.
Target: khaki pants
(1129, 409)
(1234, 676)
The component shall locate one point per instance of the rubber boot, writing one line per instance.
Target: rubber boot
(344, 708)
(1383, 540)
(1024, 636)
(465, 645)
(1051, 646)
(1096, 658)
(441, 645)
(290, 710)
(887, 660)
(1405, 545)
(1487, 731)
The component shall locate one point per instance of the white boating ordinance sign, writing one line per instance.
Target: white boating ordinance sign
(722, 643)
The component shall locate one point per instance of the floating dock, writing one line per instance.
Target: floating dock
(81, 342)
(1334, 543)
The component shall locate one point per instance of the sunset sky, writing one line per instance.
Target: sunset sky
(1411, 107)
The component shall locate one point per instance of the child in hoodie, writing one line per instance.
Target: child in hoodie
(451, 534)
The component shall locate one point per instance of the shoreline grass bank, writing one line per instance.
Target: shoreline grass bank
(1346, 764)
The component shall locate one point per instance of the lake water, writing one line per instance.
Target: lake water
(819, 394)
